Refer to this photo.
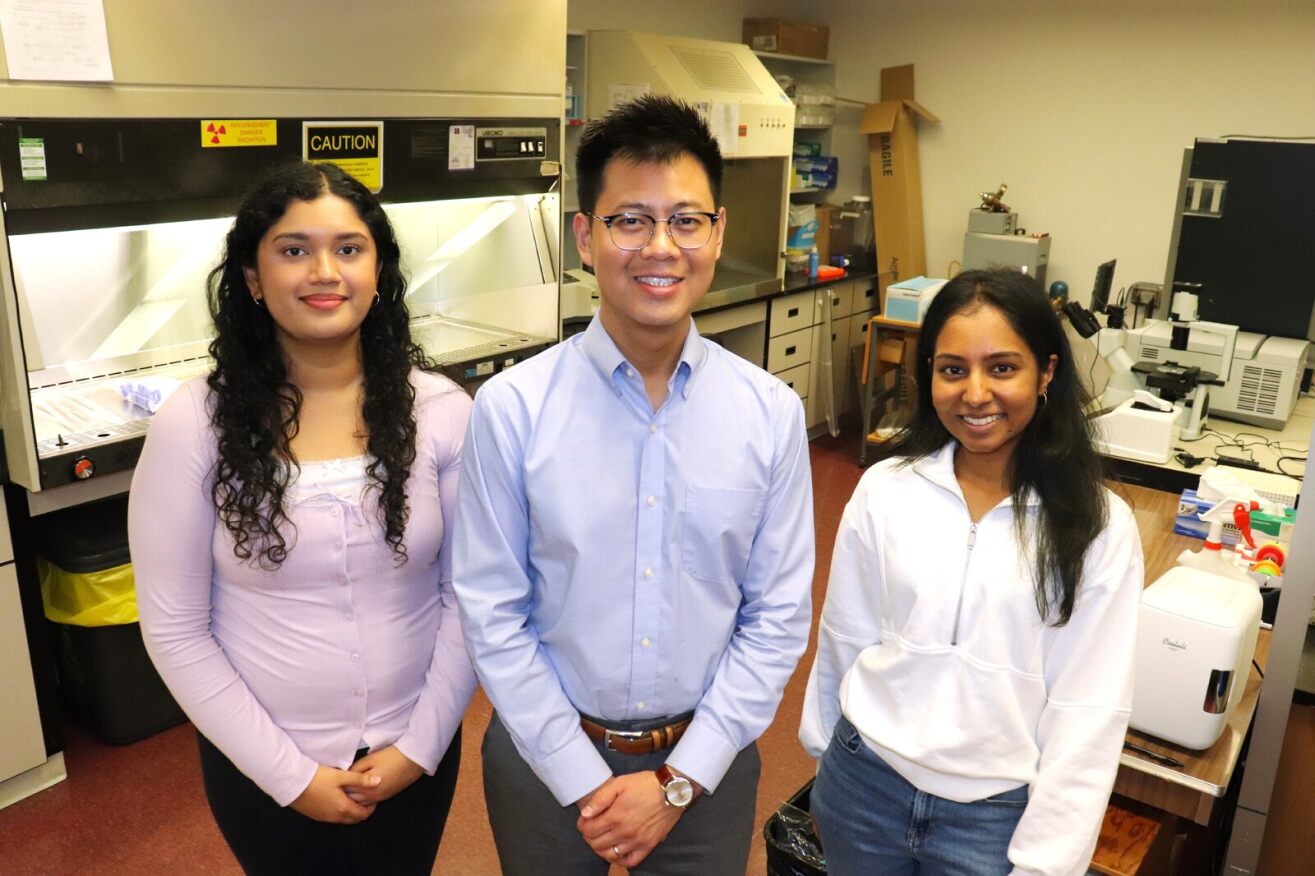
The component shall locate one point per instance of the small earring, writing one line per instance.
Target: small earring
(377, 299)
(1045, 397)
(260, 302)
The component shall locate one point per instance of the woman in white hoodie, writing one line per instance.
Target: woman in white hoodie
(974, 664)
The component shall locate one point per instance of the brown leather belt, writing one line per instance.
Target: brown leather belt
(635, 741)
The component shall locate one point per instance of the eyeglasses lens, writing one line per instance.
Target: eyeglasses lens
(632, 231)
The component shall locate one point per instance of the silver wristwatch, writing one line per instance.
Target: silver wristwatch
(678, 790)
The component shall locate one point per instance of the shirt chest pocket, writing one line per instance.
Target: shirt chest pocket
(718, 530)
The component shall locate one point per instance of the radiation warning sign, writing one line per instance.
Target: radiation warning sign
(218, 133)
(356, 147)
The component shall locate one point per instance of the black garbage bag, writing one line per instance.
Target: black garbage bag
(792, 847)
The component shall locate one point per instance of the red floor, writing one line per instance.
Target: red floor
(140, 809)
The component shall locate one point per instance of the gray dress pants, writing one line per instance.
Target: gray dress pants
(535, 834)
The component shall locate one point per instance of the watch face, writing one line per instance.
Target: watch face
(679, 792)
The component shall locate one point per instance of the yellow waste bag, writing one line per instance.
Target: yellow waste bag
(91, 599)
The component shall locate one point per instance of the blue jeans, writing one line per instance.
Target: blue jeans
(872, 821)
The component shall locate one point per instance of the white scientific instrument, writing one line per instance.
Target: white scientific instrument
(1149, 404)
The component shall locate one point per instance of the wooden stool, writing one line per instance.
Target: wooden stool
(1131, 844)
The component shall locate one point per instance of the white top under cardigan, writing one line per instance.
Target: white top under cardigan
(931, 644)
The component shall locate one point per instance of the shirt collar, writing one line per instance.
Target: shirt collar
(607, 358)
(939, 469)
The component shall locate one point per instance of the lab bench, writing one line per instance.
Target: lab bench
(1227, 793)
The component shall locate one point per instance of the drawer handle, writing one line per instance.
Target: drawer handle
(789, 351)
(793, 311)
(869, 293)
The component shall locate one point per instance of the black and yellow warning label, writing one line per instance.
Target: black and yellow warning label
(356, 147)
(220, 133)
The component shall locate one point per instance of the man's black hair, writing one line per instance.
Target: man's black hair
(652, 128)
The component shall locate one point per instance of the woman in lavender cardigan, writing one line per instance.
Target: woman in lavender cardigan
(290, 523)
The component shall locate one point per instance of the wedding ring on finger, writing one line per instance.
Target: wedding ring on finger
(616, 850)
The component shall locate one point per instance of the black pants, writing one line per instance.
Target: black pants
(400, 837)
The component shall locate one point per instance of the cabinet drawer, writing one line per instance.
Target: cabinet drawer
(841, 298)
(787, 351)
(797, 379)
(858, 329)
(865, 296)
(791, 313)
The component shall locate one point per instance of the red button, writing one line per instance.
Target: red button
(83, 468)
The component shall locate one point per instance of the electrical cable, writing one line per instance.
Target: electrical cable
(1278, 464)
(1260, 671)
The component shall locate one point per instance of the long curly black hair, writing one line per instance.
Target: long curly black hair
(1056, 454)
(256, 409)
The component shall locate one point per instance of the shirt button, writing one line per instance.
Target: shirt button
(334, 512)
(348, 615)
(644, 641)
(648, 573)
(641, 706)
(630, 372)
(356, 656)
(652, 427)
(650, 501)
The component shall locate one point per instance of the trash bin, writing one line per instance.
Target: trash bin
(107, 680)
(792, 847)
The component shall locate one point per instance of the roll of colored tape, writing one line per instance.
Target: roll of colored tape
(1267, 567)
(1273, 552)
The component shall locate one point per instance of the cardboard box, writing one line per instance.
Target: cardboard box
(908, 300)
(783, 37)
(892, 129)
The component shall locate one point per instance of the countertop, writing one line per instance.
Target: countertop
(730, 288)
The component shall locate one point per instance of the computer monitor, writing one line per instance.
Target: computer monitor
(1100, 295)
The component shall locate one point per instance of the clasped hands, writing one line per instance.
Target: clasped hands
(350, 796)
(628, 814)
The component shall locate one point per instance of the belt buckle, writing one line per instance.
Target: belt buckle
(631, 735)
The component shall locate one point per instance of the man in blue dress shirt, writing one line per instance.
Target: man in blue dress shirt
(633, 555)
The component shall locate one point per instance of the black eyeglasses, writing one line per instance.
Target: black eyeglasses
(633, 231)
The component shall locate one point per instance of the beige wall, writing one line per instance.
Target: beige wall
(1082, 108)
(240, 58)
(714, 20)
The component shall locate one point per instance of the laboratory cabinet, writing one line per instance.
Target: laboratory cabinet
(798, 343)
(852, 304)
(24, 765)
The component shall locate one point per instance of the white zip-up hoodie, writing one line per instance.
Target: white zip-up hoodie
(931, 645)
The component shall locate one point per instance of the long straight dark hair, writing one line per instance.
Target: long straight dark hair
(1055, 457)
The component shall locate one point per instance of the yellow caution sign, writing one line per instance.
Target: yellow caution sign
(219, 133)
(356, 147)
